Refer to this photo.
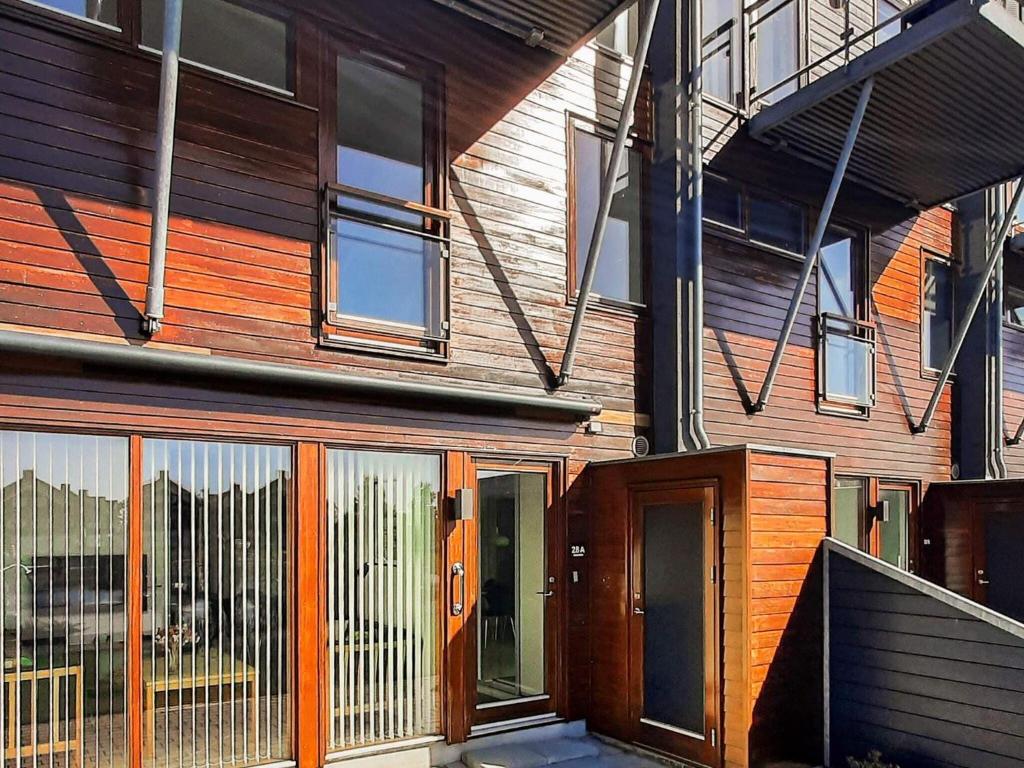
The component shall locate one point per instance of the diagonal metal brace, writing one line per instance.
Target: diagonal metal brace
(607, 186)
(811, 256)
(995, 253)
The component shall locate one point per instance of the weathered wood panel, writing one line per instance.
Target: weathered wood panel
(925, 681)
(1013, 396)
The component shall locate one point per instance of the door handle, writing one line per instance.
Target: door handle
(983, 581)
(549, 593)
(638, 611)
(458, 572)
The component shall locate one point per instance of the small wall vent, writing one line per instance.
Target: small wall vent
(641, 446)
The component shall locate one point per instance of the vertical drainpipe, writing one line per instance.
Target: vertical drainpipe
(164, 161)
(692, 433)
(996, 430)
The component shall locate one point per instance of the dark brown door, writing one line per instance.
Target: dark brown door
(674, 695)
(512, 592)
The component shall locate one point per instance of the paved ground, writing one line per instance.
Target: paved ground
(586, 752)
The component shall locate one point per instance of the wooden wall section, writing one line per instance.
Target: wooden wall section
(1013, 396)
(747, 292)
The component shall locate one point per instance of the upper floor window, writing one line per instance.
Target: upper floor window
(722, 54)
(775, 48)
(846, 352)
(621, 35)
(227, 38)
(620, 268)
(770, 222)
(102, 11)
(887, 9)
(937, 310)
(1013, 290)
(384, 219)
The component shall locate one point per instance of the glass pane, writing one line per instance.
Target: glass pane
(1013, 288)
(886, 10)
(838, 276)
(937, 328)
(723, 203)
(96, 10)
(847, 368)
(216, 676)
(620, 267)
(674, 581)
(409, 296)
(383, 584)
(719, 33)
(226, 37)
(621, 35)
(894, 533)
(380, 131)
(847, 505)
(776, 51)
(777, 223)
(63, 506)
(511, 661)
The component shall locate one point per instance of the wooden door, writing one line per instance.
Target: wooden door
(674, 690)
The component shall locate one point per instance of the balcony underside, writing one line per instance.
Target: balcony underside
(943, 119)
(564, 24)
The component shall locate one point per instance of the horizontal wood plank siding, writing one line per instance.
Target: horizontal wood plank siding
(747, 294)
(1013, 396)
(928, 684)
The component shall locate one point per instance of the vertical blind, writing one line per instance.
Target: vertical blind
(215, 647)
(382, 582)
(63, 506)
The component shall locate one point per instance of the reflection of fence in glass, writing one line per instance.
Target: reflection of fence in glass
(382, 584)
(63, 507)
(215, 672)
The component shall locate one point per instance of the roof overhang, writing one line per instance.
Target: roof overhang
(943, 120)
(560, 26)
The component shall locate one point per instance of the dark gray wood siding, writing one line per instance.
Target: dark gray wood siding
(919, 677)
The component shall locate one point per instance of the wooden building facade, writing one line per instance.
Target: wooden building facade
(334, 504)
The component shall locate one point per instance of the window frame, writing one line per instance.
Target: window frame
(869, 534)
(40, 12)
(948, 259)
(367, 335)
(742, 234)
(643, 149)
(625, 58)
(861, 327)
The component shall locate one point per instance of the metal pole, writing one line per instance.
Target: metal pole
(164, 161)
(695, 436)
(811, 256)
(607, 185)
(994, 254)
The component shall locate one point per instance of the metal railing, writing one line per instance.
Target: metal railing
(859, 340)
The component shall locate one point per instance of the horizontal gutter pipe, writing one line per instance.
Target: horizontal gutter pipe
(811, 256)
(995, 253)
(285, 376)
(607, 185)
(164, 162)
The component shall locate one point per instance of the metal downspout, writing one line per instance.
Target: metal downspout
(994, 256)
(996, 432)
(693, 434)
(607, 185)
(164, 161)
(811, 257)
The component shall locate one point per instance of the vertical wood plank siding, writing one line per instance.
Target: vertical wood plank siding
(747, 293)
(925, 682)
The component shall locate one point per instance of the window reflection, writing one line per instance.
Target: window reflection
(63, 505)
(104, 11)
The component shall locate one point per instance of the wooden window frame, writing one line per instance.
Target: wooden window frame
(336, 330)
(931, 254)
(38, 12)
(861, 327)
(741, 235)
(641, 148)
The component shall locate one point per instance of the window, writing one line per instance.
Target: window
(228, 38)
(881, 527)
(1013, 289)
(382, 215)
(383, 583)
(721, 54)
(776, 224)
(846, 352)
(775, 49)
(937, 308)
(620, 268)
(887, 9)
(848, 505)
(621, 35)
(102, 11)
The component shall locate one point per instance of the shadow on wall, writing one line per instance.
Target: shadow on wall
(788, 712)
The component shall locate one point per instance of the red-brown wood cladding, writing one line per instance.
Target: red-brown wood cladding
(1013, 396)
(747, 291)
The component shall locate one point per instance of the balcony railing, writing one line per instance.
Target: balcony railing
(846, 360)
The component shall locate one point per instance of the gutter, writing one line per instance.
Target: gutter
(167, 362)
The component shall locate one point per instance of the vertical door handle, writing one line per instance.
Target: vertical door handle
(458, 572)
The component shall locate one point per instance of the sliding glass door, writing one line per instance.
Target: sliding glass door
(63, 506)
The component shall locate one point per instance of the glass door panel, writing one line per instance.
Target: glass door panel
(215, 667)
(893, 532)
(513, 588)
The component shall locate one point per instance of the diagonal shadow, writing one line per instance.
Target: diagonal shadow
(502, 283)
(883, 342)
(108, 287)
(735, 370)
